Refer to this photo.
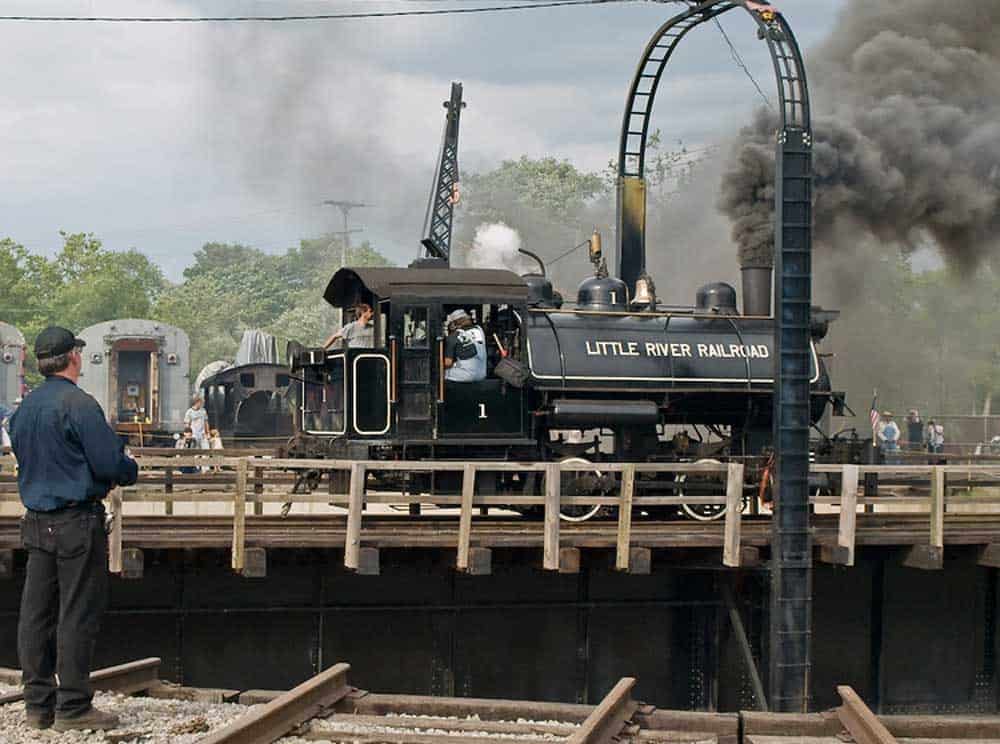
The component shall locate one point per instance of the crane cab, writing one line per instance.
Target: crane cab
(397, 390)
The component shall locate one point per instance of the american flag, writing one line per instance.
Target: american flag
(874, 415)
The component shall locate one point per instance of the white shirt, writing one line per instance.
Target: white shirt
(358, 335)
(935, 435)
(889, 433)
(197, 419)
(466, 370)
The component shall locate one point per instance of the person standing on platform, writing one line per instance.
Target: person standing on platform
(196, 418)
(4, 436)
(935, 437)
(914, 430)
(888, 438)
(69, 458)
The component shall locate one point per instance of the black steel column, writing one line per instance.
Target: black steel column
(790, 612)
(791, 554)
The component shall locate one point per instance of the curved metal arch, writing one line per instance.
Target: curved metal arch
(793, 110)
(786, 57)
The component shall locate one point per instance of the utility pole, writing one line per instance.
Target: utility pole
(345, 208)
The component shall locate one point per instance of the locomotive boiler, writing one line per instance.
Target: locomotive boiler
(604, 378)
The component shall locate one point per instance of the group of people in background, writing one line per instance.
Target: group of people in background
(197, 434)
(927, 437)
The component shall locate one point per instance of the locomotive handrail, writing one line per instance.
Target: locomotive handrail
(440, 398)
(643, 313)
(393, 372)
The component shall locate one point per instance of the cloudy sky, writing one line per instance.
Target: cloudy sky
(165, 136)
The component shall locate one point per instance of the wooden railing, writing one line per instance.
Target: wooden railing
(220, 478)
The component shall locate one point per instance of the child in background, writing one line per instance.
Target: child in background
(215, 440)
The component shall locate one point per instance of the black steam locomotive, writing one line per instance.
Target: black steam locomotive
(609, 377)
(248, 404)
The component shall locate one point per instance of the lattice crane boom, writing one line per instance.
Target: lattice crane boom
(444, 193)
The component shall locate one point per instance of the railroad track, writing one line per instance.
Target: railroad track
(125, 679)
(326, 708)
(308, 710)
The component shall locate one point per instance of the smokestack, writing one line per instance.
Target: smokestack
(756, 290)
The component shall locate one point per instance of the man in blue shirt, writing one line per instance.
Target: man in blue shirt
(68, 459)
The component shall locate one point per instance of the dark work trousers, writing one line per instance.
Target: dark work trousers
(65, 594)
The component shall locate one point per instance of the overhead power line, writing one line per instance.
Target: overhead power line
(311, 17)
(742, 65)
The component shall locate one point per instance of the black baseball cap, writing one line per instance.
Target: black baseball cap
(54, 341)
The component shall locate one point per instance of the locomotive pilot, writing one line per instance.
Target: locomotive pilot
(464, 349)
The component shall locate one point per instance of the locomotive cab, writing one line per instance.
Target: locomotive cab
(396, 391)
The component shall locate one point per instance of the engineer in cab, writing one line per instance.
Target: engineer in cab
(464, 349)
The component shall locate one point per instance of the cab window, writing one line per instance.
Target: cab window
(415, 328)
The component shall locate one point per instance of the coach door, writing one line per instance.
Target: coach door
(413, 342)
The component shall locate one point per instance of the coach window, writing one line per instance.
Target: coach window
(415, 328)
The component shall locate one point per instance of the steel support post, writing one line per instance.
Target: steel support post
(791, 554)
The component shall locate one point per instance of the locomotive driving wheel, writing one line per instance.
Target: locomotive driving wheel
(696, 481)
(586, 482)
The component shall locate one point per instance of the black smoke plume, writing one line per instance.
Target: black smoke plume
(906, 123)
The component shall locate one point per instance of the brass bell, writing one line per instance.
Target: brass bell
(645, 292)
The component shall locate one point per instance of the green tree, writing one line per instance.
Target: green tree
(551, 187)
(97, 285)
(82, 285)
(231, 288)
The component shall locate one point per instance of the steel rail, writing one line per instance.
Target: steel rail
(271, 721)
(125, 679)
(863, 725)
(605, 723)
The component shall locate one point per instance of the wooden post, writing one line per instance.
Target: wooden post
(848, 510)
(240, 517)
(258, 490)
(115, 538)
(355, 504)
(734, 505)
(168, 488)
(625, 518)
(553, 486)
(465, 519)
(937, 507)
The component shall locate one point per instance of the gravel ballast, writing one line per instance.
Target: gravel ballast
(148, 720)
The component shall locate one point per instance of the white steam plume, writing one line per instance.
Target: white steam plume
(496, 246)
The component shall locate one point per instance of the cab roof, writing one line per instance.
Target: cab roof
(361, 284)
